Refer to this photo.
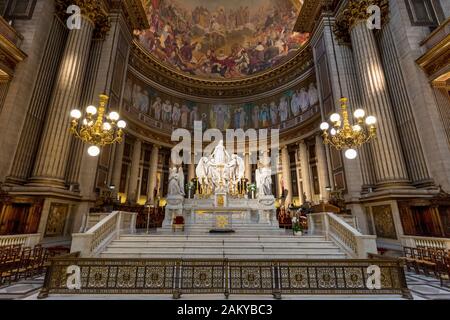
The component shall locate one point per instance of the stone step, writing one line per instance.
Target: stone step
(228, 236)
(215, 255)
(233, 251)
(182, 241)
(294, 245)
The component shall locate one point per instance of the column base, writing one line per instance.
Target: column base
(393, 184)
(47, 182)
(15, 181)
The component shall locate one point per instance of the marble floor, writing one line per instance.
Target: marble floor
(422, 288)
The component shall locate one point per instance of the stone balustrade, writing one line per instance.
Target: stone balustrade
(26, 240)
(353, 242)
(99, 236)
(429, 242)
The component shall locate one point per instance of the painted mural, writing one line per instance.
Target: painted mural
(179, 113)
(222, 39)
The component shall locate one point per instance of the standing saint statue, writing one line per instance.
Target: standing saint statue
(220, 155)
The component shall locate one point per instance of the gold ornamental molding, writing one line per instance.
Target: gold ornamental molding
(95, 10)
(309, 12)
(10, 53)
(356, 12)
(134, 13)
(141, 59)
(436, 61)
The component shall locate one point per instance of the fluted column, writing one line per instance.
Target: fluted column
(117, 170)
(191, 168)
(322, 168)
(52, 157)
(153, 172)
(248, 168)
(303, 150)
(390, 168)
(286, 168)
(134, 172)
(299, 176)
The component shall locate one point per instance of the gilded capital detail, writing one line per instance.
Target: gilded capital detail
(356, 12)
(94, 10)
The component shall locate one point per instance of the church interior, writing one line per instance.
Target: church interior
(233, 148)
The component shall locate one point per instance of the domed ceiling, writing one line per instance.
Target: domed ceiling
(222, 39)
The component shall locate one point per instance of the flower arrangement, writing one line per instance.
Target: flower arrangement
(297, 227)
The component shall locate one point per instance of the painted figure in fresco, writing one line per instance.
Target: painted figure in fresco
(274, 112)
(205, 122)
(176, 115)
(295, 103)
(156, 107)
(313, 94)
(194, 116)
(304, 99)
(127, 95)
(167, 111)
(255, 117)
(237, 118)
(220, 117)
(143, 100)
(184, 116)
(176, 30)
(264, 115)
(284, 109)
(243, 120)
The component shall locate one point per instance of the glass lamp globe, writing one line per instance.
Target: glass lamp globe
(114, 116)
(351, 154)
(333, 132)
(107, 126)
(324, 126)
(91, 110)
(94, 151)
(121, 124)
(357, 128)
(359, 113)
(371, 120)
(76, 114)
(335, 117)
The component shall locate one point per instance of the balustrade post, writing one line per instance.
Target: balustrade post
(326, 226)
(119, 224)
(133, 223)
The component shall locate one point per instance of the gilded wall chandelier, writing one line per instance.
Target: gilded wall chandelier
(96, 129)
(346, 135)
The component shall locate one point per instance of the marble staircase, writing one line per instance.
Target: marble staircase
(240, 245)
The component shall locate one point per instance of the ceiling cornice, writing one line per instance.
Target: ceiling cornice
(141, 59)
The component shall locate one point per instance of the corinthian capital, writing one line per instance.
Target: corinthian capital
(94, 10)
(356, 12)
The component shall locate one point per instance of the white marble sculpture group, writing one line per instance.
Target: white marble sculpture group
(220, 172)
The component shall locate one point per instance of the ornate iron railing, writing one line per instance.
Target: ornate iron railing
(240, 277)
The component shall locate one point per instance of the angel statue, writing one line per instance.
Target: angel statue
(264, 181)
(176, 182)
(235, 168)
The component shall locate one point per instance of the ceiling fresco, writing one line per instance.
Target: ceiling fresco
(222, 39)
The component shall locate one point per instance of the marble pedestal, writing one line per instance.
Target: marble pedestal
(174, 208)
(240, 212)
